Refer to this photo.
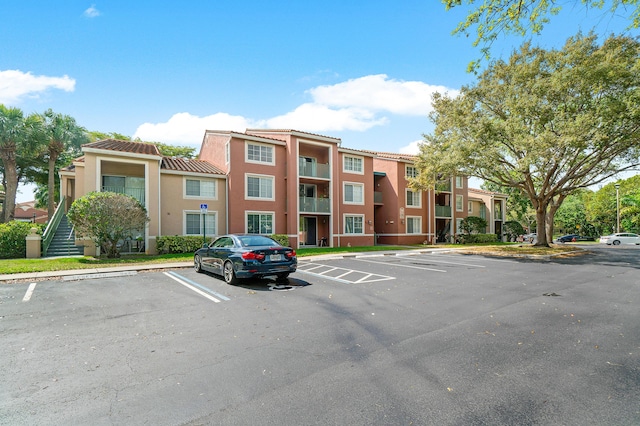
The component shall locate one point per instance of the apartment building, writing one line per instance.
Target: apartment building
(299, 184)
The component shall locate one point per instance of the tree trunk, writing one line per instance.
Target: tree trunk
(541, 219)
(11, 189)
(554, 205)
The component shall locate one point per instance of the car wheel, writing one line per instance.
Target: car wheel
(197, 263)
(283, 276)
(616, 242)
(229, 273)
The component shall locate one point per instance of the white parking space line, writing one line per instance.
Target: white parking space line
(194, 286)
(29, 292)
(402, 266)
(433, 259)
(343, 274)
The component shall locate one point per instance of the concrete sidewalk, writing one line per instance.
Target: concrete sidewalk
(5, 278)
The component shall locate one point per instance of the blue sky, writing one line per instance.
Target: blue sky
(166, 71)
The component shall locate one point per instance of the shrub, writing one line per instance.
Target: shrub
(13, 243)
(513, 229)
(478, 238)
(179, 244)
(281, 239)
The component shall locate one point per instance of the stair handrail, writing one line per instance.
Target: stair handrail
(52, 227)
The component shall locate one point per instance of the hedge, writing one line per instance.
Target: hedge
(13, 243)
(478, 238)
(189, 244)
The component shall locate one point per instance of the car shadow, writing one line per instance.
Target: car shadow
(265, 284)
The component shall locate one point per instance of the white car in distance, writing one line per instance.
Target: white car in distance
(620, 238)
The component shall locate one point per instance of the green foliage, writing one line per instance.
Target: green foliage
(522, 17)
(281, 239)
(179, 243)
(546, 123)
(13, 244)
(108, 219)
(471, 224)
(513, 229)
(175, 151)
(478, 238)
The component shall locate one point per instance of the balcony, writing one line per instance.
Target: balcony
(137, 193)
(313, 170)
(443, 211)
(377, 197)
(314, 205)
(443, 186)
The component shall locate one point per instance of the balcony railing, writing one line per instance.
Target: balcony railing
(314, 205)
(137, 193)
(313, 170)
(443, 211)
(377, 197)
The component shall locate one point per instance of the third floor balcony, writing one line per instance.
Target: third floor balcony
(313, 169)
(315, 205)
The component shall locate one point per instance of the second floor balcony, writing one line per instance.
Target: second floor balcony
(315, 205)
(137, 193)
(443, 211)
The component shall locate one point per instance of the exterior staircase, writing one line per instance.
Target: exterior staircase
(63, 243)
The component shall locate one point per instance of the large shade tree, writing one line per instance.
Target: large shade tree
(545, 122)
(490, 18)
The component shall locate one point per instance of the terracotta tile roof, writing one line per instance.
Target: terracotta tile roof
(249, 131)
(482, 191)
(124, 146)
(189, 165)
(394, 155)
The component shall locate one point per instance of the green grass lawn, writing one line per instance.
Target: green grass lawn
(16, 266)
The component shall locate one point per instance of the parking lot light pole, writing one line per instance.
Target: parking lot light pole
(617, 185)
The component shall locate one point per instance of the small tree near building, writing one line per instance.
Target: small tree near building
(108, 219)
(473, 224)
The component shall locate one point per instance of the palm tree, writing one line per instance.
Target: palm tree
(61, 133)
(15, 132)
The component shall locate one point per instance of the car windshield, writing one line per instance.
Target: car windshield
(257, 240)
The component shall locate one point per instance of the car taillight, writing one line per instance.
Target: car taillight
(290, 254)
(252, 255)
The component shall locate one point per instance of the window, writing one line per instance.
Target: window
(258, 153)
(354, 193)
(353, 224)
(259, 187)
(458, 181)
(193, 223)
(459, 203)
(414, 225)
(410, 172)
(260, 223)
(459, 229)
(352, 164)
(200, 188)
(469, 207)
(414, 198)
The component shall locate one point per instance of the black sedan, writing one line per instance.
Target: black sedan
(573, 238)
(245, 256)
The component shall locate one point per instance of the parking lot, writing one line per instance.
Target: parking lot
(420, 338)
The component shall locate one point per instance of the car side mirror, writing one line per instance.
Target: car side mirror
(205, 245)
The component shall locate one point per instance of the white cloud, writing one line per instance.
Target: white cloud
(379, 93)
(185, 128)
(413, 148)
(355, 105)
(92, 12)
(320, 118)
(15, 85)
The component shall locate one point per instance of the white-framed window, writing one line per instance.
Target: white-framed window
(469, 207)
(200, 188)
(351, 164)
(459, 226)
(353, 193)
(459, 182)
(259, 187)
(414, 225)
(259, 153)
(354, 224)
(227, 153)
(259, 223)
(410, 171)
(193, 221)
(414, 198)
(459, 203)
